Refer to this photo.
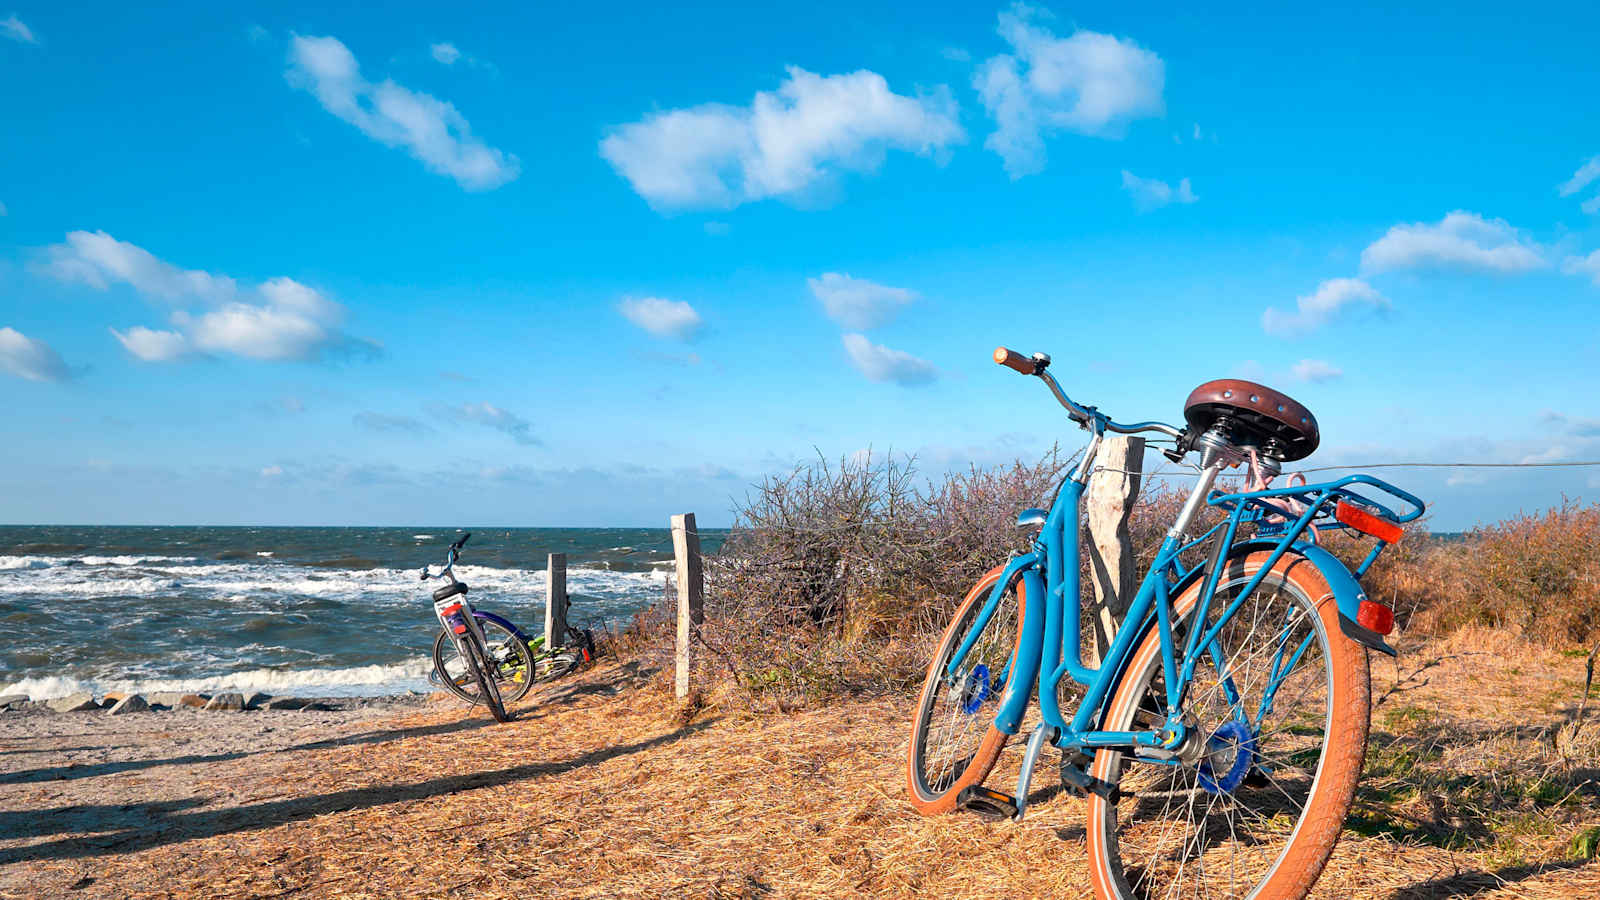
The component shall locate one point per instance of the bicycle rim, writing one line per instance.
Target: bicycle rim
(489, 690)
(511, 662)
(1255, 807)
(953, 739)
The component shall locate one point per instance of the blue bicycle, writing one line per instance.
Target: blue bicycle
(1220, 738)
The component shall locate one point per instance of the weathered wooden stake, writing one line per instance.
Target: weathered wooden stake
(555, 602)
(1109, 498)
(691, 592)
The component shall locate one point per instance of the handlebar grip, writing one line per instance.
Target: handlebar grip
(1011, 359)
(462, 542)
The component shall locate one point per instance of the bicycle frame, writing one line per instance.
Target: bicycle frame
(1050, 577)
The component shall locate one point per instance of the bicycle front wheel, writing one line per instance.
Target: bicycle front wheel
(1277, 716)
(510, 661)
(953, 739)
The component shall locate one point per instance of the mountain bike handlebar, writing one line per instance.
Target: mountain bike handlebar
(1039, 363)
(450, 557)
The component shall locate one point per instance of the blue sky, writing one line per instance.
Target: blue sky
(506, 265)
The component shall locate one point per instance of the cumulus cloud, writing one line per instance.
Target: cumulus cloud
(445, 52)
(279, 319)
(433, 131)
(662, 318)
(716, 156)
(880, 363)
(1316, 370)
(151, 345)
(1461, 240)
(504, 421)
(1153, 193)
(1086, 83)
(1583, 265)
(1321, 306)
(27, 358)
(15, 29)
(856, 302)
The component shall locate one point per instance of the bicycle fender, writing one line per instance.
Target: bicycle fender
(1347, 591)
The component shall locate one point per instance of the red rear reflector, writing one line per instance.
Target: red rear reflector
(1374, 616)
(1367, 523)
(461, 628)
(452, 609)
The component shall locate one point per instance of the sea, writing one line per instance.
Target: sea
(308, 611)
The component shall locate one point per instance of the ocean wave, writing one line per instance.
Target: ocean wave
(353, 681)
(53, 562)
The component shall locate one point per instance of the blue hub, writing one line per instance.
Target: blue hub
(976, 690)
(1230, 751)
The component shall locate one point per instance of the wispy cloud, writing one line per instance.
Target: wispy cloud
(1316, 370)
(1153, 193)
(1583, 265)
(501, 420)
(31, 359)
(663, 318)
(445, 52)
(880, 363)
(1086, 83)
(1321, 306)
(278, 319)
(1461, 240)
(433, 131)
(856, 302)
(716, 156)
(15, 29)
(1581, 179)
(376, 421)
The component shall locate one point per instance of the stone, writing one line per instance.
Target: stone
(167, 699)
(13, 700)
(256, 700)
(287, 703)
(198, 701)
(228, 701)
(317, 706)
(130, 704)
(73, 703)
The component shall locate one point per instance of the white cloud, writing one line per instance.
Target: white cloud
(100, 260)
(279, 319)
(490, 416)
(1583, 265)
(25, 357)
(445, 52)
(430, 129)
(153, 346)
(858, 303)
(1197, 131)
(879, 363)
(1581, 179)
(1461, 240)
(662, 318)
(784, 142)
(272, 471)
(15, 29)
(1153, 193)
(1321, 306)
(1087, 83)
(1316, 370)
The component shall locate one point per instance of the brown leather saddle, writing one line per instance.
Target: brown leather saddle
(1254, 415)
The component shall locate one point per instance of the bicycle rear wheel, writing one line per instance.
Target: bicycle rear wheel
(489, 690)
(953, 739)
(1278, 716)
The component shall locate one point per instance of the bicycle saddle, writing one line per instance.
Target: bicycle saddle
(1278, 426)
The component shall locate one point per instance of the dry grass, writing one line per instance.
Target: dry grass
(609, 788)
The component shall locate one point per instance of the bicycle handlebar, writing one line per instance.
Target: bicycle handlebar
(1038, 365)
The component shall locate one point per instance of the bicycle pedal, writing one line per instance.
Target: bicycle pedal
(1086, 784)
(986, 802)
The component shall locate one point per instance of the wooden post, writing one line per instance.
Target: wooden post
(1109, 497)
(691, 593)
(555, 602)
